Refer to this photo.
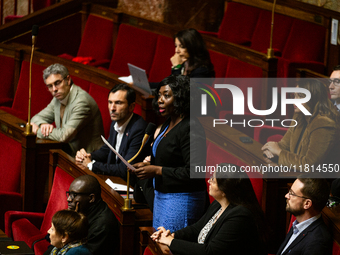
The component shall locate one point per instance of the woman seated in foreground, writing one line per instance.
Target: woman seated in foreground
(68, 233)
(233, 224)
(315, 139)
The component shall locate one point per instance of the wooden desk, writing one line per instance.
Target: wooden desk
(2, 234)
(130, 220)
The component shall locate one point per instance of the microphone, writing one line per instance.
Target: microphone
(35, 30)
(150, 130)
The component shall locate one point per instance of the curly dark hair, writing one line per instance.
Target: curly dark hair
(193, 41)
(180, 86)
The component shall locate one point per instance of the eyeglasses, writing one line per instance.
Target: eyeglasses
(55, 84)
(336, 82)
(291, 193)
(72, 195)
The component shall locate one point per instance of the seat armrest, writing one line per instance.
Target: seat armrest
(35, 218)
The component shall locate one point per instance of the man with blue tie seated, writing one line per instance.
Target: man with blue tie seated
(334, 86)
(309, 234)
(126, 135)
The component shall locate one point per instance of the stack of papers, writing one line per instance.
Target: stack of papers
(117, 187)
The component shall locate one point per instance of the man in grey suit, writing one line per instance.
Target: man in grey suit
(76, 115)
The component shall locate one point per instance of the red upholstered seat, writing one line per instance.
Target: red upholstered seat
(29, 226)
(261, 37)
(40, 95)
(147, 251)
(161, 64)
(238, 23)
(216, 155)
(10, 171)
(239, 69)
(135, 46)
(296, 54)
(220, 62)
(7, 76)
(85, 85)
(100, 95)
(268, 133)
(91, 46)
(336, 248)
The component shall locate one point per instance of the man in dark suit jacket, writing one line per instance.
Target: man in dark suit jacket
(309, 234)
(126, 135)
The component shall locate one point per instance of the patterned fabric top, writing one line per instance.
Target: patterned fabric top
(63, 251)
(204, 232)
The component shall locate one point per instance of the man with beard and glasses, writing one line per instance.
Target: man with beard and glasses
(309, 234)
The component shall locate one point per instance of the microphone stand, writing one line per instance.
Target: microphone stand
(127, 201)
(28, 125)
(270, 52)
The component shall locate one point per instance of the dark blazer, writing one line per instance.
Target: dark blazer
(314, 240)
(234, 232)
(179, 152)
(132, 139)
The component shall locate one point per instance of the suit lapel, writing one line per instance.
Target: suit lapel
(73, 96)
(57, 113)
(283, 245)
(301, 236)
(112, 156)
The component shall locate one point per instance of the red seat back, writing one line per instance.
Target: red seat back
(100, 95)
(161, 65)
(10, 167)
(220, 62)
(97, 40)
(261, 37)
(306, 42)
(7, 76)
(41, 97)
(57, 200)
(238, 23)
(85, 85)
(262, 134)
(216, 155)
(135, 46)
